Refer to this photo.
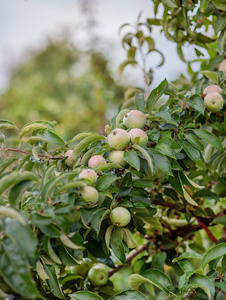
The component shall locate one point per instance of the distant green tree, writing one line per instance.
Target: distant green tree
(60, 83)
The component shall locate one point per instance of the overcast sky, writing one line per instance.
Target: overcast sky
(26, 25)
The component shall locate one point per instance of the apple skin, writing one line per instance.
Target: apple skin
(98, 275)
(82, 269)
(118, 139)
(69, 161)
(120, 216)
(138, 133)
(117, 157)
(90, 194)
(96, 161)
(213, 102)
(134, 119)
(89, 174)
(212, 88)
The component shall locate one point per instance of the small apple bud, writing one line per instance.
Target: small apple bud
(134, 119)
(213, 102)
(138, 136)
(88, 174)
(212, 88)
(117, 157)
(118, 139)
(69, 161)
(96, 161)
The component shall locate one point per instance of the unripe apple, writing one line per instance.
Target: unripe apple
(96, 161)
(89, 174)
(213, 102)
(138, 136)
(120, 216)
(212, 88)
(98, 275)
(134, 119)
(69, 161)
(118, 139)
(90, 194)
(82, 269)
(117, 157)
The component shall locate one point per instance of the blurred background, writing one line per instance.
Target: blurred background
(59, 60)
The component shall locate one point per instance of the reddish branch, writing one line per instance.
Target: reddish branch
(209, 233)
(25, 152)
(129, 258)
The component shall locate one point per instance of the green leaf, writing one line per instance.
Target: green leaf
(117, 245)
(210, 138)
(81, 136)
(98, 218)
(14, 178)
(165, 150)
(156, 94)
(220, 23)
(219, 4)
(211, 75)
(7, 162)
(170, 3)
(161, 162)
(49, 250)
(143, 151)
(191, 152)
(128, 295)
(15, 270)
(187, 197)
(158, 260)
(220, 220)
(24, 238)
(105, 181)
(215, 252)
(129, 238)
(132, 159)
(206, 194)
(125, 63)
(194, 141)
(9, 212)
(46, 136)
(204, 283)
(203, 5)
(180, 53)
(85, 143)
(107, 167)
(36, 125)
(4, 124)
(16, 192)
(53, 281)
(197, 103)
(188, 255)
(120, 116)
(152, 276)
(140, 102)
(108, 235)
(85, 295)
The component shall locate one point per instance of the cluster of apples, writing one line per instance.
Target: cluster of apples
(118, 139)
(97, 274)
(213, 100)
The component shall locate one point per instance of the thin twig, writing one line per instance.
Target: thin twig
(209, 233)
(25, 152)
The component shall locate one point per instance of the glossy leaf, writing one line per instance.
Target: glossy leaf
(156, 94)
(204, 283)
(214, 253)
(132, 159)
(105, 181)
(128, 295)
(53, 281)
(209, 138)
(85, 295)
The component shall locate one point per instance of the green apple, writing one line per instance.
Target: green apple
(213, 102)
(69, 161)
(118, 139)
(120, 216)
(134, 119)
(117, 157)
(83, 268)
(138, 136)
(96, 161)
(98, 275)
(212, 88)
(89, 174)
(90, 194)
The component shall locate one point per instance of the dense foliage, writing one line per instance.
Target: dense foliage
(149, 193)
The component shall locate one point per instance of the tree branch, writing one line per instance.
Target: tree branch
(209, 233)
(129, 258)
(40, 155)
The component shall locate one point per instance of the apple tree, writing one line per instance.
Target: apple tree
(149, 195)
